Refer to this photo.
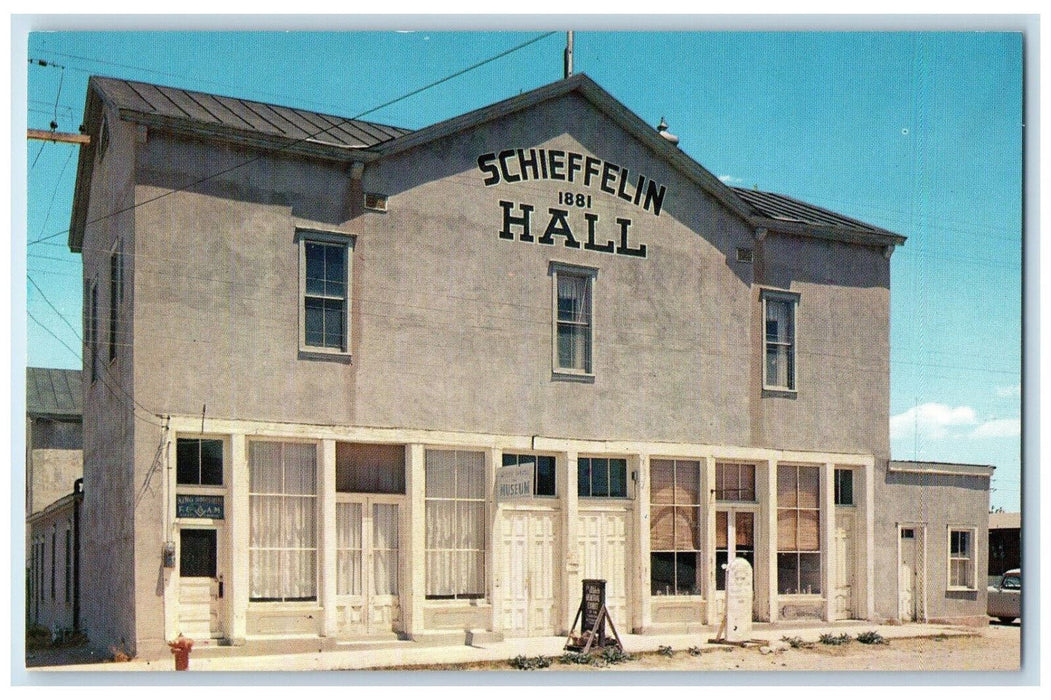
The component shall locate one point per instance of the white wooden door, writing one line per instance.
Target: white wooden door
(907, 574)
(530, 573)
(367, 561)
(734, 537)
(843, 561)
(603, 542)
(200, 584)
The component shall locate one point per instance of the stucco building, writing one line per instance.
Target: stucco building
(53, 471)
(348, 380)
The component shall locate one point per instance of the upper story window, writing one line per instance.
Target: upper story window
(574, 330)
(779, 340)
(199, 462)
(325, 291)
(599, 477)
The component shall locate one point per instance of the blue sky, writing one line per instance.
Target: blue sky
(920, 133)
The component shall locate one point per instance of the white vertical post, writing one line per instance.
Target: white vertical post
(640, 467)
(239, 522)
(415, 559)
(571, 570)
(708, 516)
(769, 498)
(870, 550)
(493, 548)
(828, 533)
(171, 579)
(327, 549)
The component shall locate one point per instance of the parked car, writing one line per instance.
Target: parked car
(1005, 598)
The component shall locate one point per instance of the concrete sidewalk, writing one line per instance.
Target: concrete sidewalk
(354, 656)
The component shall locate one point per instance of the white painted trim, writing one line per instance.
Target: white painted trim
(940, 468)
(949, 529)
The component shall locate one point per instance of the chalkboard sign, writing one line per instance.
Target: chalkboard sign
(196, 506)
(594, 599)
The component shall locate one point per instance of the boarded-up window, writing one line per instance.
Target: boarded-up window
(362, 468)
(798, 530)
(675, 541)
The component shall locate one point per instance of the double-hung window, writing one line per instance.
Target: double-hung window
(573, 318)
(961, 558)
(779, 340)
(675, 538)
(325, 291)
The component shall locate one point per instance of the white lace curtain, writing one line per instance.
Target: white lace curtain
(455, 517)
(283, 521)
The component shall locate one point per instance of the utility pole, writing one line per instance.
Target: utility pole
(568, 55)
(40, 135)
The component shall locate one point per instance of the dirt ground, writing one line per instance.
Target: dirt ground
(995, 648)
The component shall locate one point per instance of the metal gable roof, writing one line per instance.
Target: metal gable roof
(53, 392)
(231, 113)
(778, 206)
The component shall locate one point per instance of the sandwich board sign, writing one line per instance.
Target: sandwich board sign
(593, 616)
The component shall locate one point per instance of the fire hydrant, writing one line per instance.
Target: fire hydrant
(181, 649)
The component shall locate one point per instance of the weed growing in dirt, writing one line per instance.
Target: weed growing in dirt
(872, 637)
(694, 651)
(665, 651)
(835, 639)
(526, 663)
(575, 657)
(797, 642)
(613, 655)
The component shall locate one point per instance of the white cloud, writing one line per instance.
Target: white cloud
(1009, 391)
(731, 180)
(1000, 427)
(931, 420)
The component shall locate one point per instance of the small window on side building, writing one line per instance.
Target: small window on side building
(961, 558)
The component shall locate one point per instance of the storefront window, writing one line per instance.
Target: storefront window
(675, 541)
(455, 503)
(282, 500)
(798, 530)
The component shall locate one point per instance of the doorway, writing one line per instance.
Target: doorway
(910, 572)
(531, 573)
(200, 583)
(367, 564)
(843, 560)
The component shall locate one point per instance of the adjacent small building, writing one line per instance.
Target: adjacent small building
(345, 380)
(54, 465)
(1005, 543)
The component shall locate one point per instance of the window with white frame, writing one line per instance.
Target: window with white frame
(961, 558)
(198, 462)
(454, 494)
(798, 530)
(675, 538)
(601, 477)
(324, 291)
(779, 340)
(574, 329)
(543, 471)
(282, 503)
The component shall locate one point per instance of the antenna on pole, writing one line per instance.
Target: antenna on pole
(568, 54)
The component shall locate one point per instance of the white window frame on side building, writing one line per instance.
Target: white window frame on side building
(582, 367)
(790, 384)
(971, 558)
(345, 242)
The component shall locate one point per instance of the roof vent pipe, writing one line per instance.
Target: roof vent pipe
(567, 56)
(662, 129)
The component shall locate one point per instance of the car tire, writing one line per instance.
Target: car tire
(1006, 620)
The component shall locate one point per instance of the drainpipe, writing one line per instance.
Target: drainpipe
(78, 498)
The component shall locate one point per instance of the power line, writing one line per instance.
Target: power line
(268, 152)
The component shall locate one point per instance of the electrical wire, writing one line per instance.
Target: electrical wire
(271, 151)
